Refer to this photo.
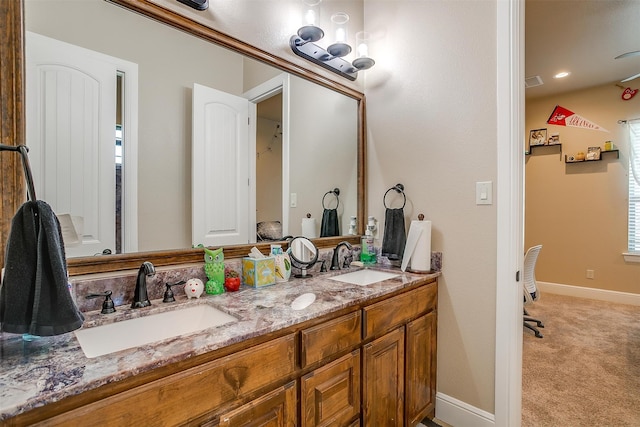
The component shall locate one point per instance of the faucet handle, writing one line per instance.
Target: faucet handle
(168, 293)
(347, 260)
(107, 306)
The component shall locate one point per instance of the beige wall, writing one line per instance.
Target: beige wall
(268, 24)
(431, 113)
(322, 123)
(578, 212)
(268, 171)
(431, 125)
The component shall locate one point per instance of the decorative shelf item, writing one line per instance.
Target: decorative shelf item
(574, 159)
(531, 147)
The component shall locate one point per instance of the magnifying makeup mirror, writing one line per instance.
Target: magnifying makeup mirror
(303, 254)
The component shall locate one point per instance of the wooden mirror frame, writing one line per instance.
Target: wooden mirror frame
(12, 132)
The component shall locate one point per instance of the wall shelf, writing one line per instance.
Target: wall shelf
(602, 153)
(531, 147)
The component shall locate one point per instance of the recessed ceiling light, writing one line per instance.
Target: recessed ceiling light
(561, 75)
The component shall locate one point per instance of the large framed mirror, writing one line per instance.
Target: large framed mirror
(259, 67)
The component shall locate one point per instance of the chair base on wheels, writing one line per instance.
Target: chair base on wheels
(538, 323)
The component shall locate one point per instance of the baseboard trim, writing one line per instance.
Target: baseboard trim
(460, 414)
(591, 293)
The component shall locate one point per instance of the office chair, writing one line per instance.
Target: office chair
(530, 289)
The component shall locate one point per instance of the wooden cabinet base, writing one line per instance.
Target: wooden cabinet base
(383, 381)
(420, 373)
(371, 365)
(330, 396)
(275, 409)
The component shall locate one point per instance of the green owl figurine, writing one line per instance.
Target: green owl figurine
(214, 269)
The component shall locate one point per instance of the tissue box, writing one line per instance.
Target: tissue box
(259, 272)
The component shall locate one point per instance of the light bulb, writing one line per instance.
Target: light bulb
(310, 17)
(340, 47)
(362, 61)
(310, 32)
(363, 49)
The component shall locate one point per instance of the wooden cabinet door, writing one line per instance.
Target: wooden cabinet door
(275, 409)
(421, 368)
(330, 396)
(383, 380)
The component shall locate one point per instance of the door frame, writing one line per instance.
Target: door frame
(274, 86)
(510, 211)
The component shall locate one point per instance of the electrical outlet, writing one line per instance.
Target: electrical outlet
(293, 200)
(590, 274)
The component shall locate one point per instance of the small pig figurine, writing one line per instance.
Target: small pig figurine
(194, 288)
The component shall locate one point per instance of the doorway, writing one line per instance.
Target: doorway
(269, 163)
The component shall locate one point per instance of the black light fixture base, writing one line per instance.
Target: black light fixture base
(320, 56)
(196, 4)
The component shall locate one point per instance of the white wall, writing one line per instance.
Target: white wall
(164, 100)
(431, 114)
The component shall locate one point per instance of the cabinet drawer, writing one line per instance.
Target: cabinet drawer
(387, 314)
(330, 396)
(277, 408)
(330, 338)
(194, 392)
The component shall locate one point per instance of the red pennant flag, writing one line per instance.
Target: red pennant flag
(564, 117)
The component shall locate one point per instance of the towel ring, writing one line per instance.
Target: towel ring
(335, 192)
(399, 188)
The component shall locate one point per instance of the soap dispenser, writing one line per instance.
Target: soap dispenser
(367, 250)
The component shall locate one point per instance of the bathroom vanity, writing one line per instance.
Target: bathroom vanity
(358, 355)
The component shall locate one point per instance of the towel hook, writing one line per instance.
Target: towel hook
(398, 188)
(335, 192)
(23, 150)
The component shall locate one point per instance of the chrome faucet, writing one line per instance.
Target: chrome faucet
(335, 263)
(140, 297)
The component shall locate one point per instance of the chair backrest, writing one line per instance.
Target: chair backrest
(529, 277)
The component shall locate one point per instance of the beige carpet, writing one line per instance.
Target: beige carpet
(586, 369)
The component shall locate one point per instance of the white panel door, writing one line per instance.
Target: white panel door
(220, 168)
(71, 102)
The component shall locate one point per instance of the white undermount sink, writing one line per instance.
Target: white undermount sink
(364, 277)
(105, 339)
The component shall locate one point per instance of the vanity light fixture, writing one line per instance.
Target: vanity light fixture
(196, 4)
(330, 58)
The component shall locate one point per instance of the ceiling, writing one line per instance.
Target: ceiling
(582, 37)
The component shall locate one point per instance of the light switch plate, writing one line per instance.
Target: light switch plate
(484, 193)
(293, 200)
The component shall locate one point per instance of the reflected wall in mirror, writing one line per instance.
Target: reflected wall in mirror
(12, 129)
(310, 150)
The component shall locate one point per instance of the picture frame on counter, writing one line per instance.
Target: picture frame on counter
(593, 153)
(538, 137)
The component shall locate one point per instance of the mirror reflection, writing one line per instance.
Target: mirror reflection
(304, 255)
(301, 143)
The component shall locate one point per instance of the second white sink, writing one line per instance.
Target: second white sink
(105, 339)
(364, 277)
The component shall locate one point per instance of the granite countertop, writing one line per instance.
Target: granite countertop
(48, 369)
